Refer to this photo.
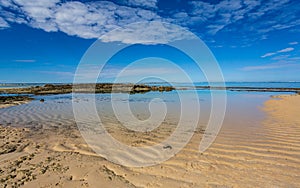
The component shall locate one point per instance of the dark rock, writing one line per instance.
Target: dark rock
(167, 147)
(10, 99)
(49, 86)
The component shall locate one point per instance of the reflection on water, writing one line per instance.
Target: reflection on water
(57, 109)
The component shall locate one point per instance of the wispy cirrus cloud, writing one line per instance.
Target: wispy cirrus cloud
(268, 54)
(281, 59)
(293, 43)
(256, 16)
(277, 52)
(285, 50)
(25, 60)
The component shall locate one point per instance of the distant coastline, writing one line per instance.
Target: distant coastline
(254, 89)
(59, 88)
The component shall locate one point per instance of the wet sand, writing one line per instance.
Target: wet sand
(266, 155)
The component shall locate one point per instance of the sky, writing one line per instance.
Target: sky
(252, 40)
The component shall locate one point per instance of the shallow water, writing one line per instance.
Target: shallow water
(57, 109)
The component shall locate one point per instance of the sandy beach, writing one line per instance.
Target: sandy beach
(260, 156)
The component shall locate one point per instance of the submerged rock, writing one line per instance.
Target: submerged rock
(167, 147)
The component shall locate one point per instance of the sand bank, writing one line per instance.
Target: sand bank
(266, 155)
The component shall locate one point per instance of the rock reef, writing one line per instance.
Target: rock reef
(7, 101)
(86, 88)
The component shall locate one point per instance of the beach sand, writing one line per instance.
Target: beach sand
(267, 155)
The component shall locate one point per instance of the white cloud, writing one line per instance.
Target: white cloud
(25, 60)
(278, 52)
(34, 3)
(74, 18)
(257, 17)
(143, 3)
(285, 50)
(213, 29)
(147, 33)
(203, 9)
(85, 20)
(293, 43)
(268, 54)
(91, 19)
(222, 14)
(270, 6)
(3, 23)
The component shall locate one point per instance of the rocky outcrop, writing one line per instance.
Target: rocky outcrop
(10, 99)
(7, 101)
(86, 88)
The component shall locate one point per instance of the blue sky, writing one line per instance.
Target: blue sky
(253, 40)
